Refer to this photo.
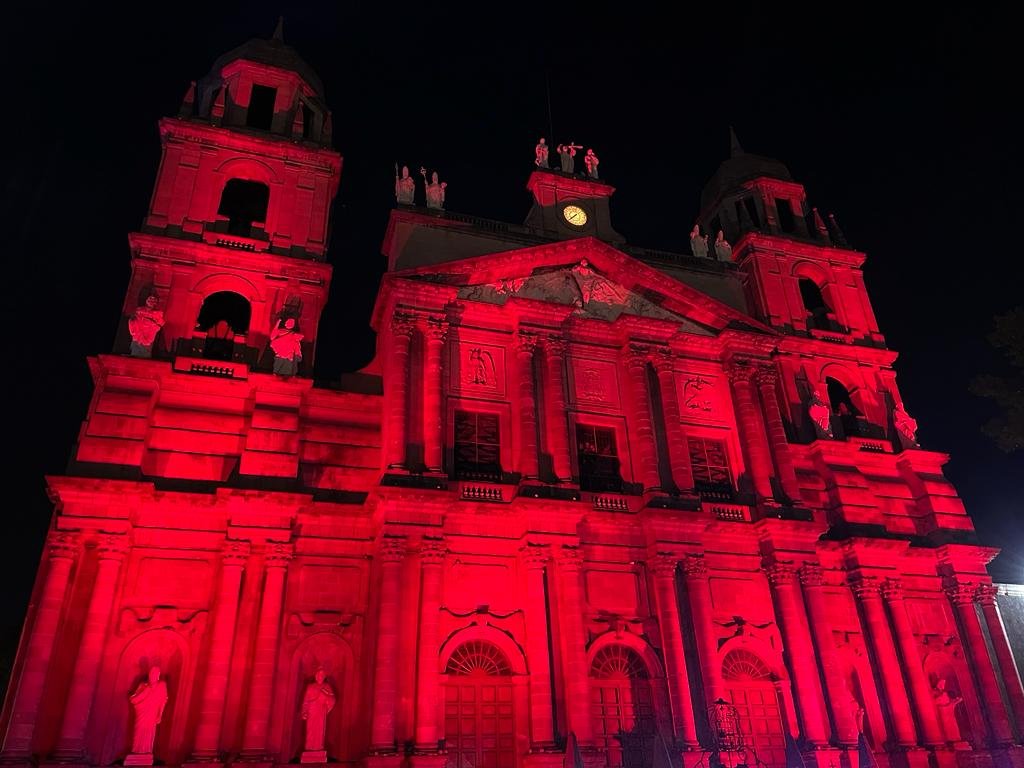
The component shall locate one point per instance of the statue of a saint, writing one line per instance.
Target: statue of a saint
(405, 187)
(567, 156)
(144, 324)
(821, 414)
(435, 190)
(540, 154)
(317, 702)
(946, 704)
(906, 426)
(590, 160)
(723, 251)
(148, 701)
(286, 344)
(698, 243)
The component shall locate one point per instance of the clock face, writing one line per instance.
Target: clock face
(575, 215)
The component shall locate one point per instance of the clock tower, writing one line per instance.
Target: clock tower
(566, 207)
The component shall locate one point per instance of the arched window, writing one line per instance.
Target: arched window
(622, 707)
(820, 313)
(479, 713)
(750, 688)
(244, 203)
(223, 316)
(841, 403)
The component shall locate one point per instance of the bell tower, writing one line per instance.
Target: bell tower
(231, 253)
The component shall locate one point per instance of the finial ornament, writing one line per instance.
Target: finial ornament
(279, 30)
(735, 150)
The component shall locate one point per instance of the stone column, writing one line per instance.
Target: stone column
(433, 397)
(62, 547)
(526, 343)
(962, 595)
(577, 672)
(264, 667)
(766, 380)
(920, 691)
(558, 425)
(428, 688)
(110, 551)
(986, 597)
(698, 591)
(678, 451)
(396, 391)
(646, 464)
(663, 567)
(215, 684)
(866, 589)
(385, 670)
(535, 559)
(755, 442)
(799, 652)
(814, 599)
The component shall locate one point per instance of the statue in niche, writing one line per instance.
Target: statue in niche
(698, 243)
(906, 426)
(946, 704)
(540, 154)
(591, 161)
(286, 344)
(821, 414)
(567, 156)
(435, 190)
(723, 251)
(148, 701)
(144, 324)
(405, 187)
(317, 702)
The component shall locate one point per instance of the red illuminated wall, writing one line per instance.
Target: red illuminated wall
(581, 490)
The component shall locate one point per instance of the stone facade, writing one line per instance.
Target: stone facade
(584, 492)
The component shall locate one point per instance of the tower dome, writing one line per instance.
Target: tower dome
(738, 168)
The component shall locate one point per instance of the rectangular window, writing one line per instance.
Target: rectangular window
(477, 446)
(598, 459)
(786, 221)
(710, 463)
(261, 107)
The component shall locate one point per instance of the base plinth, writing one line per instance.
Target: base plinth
(544, 757)
(139, 759)
(314, 756)
(383, 760)
(822, 757)
(428, 760)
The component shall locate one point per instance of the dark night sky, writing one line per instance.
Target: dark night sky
(901, 126)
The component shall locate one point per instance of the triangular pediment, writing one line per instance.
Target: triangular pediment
(589, 276)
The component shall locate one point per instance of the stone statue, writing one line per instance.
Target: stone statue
(540, 154)
(567, 156)
(698, 243)
(590, 160)
(317, 702)
(946, 704)
(286, 344)
(723, 251)
(821, 414)
(435, 190)
(906, 426)
(144, 324)
(148, 701)
(405, 187)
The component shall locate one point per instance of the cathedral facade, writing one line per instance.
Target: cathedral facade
(591, 504)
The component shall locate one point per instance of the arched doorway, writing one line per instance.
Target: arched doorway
(622, 708)
(479, 715)
(750, 688)
(223, 316)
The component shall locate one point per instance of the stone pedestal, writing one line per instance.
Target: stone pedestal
(383, 760)
(428, 760)
(139, 759)
(544, 758)
(314, 756)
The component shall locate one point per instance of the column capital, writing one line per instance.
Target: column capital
(535, 556)
(637, 355)
(741, 371)
(555, 345)
(236, 553)
(435, 327)
(569, 558)
(403, 324)
(780, 574)
(391, 549)
(694, 567)
(811, 575)
(892, 590)
(986, 594)
(663, 359)
(432, 552)
(277, 555)
(63, 545)
(526, 342)
(960, 591)
(112, 546)
(766, 375)
(865, 587)
(663, 564)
